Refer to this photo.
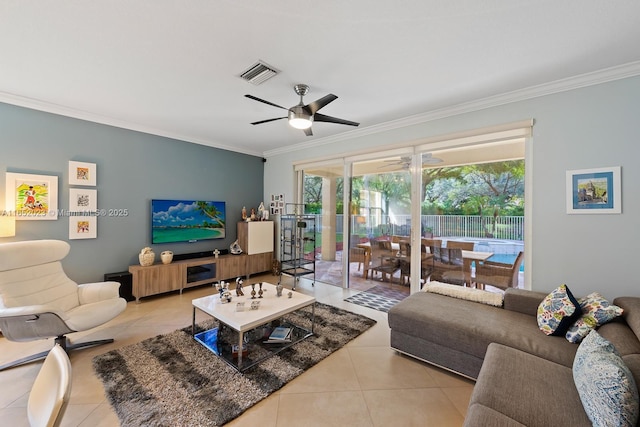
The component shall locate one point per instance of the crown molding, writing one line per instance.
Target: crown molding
(61, 110)
(631, 69)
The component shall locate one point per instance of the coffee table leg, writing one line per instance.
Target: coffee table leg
(313, 317)
(240, 339)
(193, 323)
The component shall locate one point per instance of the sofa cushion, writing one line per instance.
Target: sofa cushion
(558, 311)
(470, 327)
(596, 311)
(605, 384)
(500, 387)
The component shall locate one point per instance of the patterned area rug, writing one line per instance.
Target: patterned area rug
(172, 380)
(379, 297)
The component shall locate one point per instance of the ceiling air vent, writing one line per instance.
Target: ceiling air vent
(259, 73)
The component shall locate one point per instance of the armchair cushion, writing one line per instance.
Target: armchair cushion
(87, 316)
(95, 292)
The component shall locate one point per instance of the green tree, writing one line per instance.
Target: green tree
(210, 211)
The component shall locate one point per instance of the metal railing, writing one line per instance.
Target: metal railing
(500, 227)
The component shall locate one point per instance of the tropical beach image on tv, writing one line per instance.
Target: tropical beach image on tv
(186, 220)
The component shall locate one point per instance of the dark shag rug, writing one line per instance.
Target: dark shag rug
(172, 380)
(379, 297)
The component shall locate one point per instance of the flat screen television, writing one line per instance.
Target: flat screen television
(187, 220)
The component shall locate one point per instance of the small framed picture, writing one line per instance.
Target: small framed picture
(83, 200)
(83, 227)
(32, 197)
(594, 191)
(81, 173)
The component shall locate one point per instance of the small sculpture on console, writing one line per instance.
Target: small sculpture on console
(235, 248)
(216, 252)
(239, 291)
(223, 288)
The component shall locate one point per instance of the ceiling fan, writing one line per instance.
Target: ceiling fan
(302, 116)
(405, 161)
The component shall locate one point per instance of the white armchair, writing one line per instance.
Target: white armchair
(39, 301)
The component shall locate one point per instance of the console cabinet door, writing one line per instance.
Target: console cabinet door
(260, 262)
(156, 279)
(256, 237)
(232, 266)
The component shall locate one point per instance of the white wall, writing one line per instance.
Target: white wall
(582, 128)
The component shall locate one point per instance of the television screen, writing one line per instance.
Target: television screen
(186, 220)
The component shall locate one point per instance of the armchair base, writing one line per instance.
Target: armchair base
(64, 343)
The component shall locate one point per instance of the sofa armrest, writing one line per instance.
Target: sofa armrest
(523, 301)
(94, 292)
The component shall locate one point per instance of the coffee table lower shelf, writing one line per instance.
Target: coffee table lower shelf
(223, 342)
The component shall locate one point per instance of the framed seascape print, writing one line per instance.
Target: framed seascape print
(594, 191)
(32, 197)
(81, 173)
(83, 200)
(83, 227)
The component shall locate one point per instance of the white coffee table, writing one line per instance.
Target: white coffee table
(271, 308)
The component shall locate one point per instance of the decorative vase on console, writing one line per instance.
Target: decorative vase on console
(146, 257)
(166, 257)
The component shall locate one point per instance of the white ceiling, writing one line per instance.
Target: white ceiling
(171, 67)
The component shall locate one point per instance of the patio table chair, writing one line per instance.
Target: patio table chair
(499, 275)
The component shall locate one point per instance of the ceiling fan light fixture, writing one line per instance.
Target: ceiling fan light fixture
(299, 119)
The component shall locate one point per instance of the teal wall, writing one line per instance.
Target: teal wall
(132, 169)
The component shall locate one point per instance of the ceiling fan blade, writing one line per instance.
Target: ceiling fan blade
(319, 103)
(328, 119)
(268, 120)
(264, 102)
(308, 132)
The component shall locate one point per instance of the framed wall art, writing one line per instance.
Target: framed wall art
(277, 204)
(83, 227)
(83, 200)
(81, 173)
(594, 191)
(32, 197)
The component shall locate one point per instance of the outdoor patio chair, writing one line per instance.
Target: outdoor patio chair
(383, 260)
(499, 275)
(431, 242)
(361, 256)
(465, 246)
(448, 266)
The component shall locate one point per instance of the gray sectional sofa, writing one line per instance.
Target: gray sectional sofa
(523, 377)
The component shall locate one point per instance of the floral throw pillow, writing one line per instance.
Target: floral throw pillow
(596, 311)
(606, 387)
(558, 311)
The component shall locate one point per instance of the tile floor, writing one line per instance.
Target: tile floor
(363, 384)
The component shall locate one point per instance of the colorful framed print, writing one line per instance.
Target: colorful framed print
(83, 200)
(83, 227)
(81, 173)
(32, 197)
(594, 191)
